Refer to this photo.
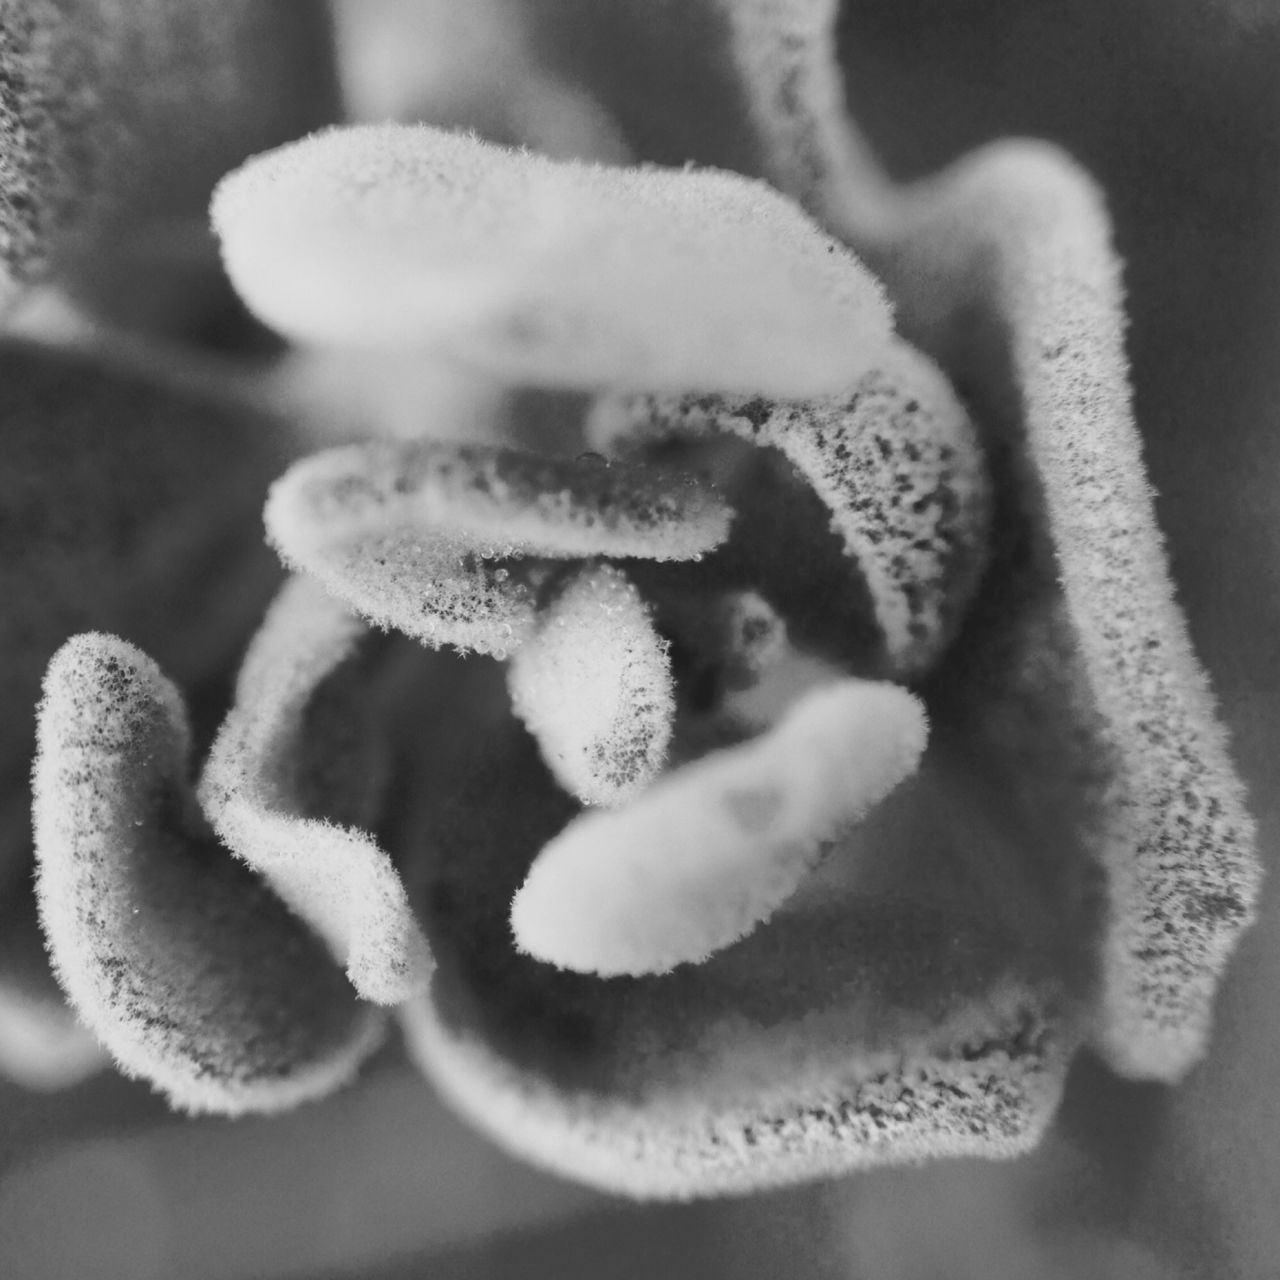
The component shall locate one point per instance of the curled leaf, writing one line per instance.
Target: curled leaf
(554, 273)
(185, 966)
(593, 684)
(410, 535)
(272, 792)
(1016, 235)
(716, 847)
(896, 460)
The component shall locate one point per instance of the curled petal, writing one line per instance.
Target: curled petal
(715, 848)
(407, 534)
(746, 1108)
(898, 463)
(97, 139)
(1018, 235)
(554, 273)
(593, 684)
(278, 774)
(186, 967)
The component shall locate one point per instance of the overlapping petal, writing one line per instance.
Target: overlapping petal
(189, 969)
(291, 780)
(422, 537)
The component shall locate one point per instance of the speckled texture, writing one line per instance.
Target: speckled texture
(594, 686)
(442, 541)
(897, 461)
(1007, 257)
(190, 971)
(294, 778)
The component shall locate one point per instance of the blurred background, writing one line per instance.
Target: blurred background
(1175, 106)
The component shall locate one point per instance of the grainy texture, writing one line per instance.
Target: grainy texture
(187, 968)
(593, 684)
(1017, 237)
(430, 538)
(898, 462)
(292, 781)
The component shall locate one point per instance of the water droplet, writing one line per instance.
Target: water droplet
(501, 575)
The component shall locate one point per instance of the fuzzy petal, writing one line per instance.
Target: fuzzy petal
(190, 971)
(281, 816)
(1014, 241)
(554, 273)
(594, 686)
(408, 535)
(898, 463)
(713, 849)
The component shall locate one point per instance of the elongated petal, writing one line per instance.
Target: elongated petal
(594, 686)
(898, 462)
(289, 765)
(190, 971)
(127, 504)
(1017, 235)
(553, 273)
(716, 847)
(409, 535)
(118, 116)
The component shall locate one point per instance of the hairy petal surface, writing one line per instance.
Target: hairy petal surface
(898, 462)
(593, 684)
(288, 767)
(1015, 237)
(415, 536)
(187, 968)
(554, 273)
(716, 847)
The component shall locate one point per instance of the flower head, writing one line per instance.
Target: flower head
(844, 765)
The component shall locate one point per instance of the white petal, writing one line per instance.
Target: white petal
(557, 273)
(713, 849)
(594, 686)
